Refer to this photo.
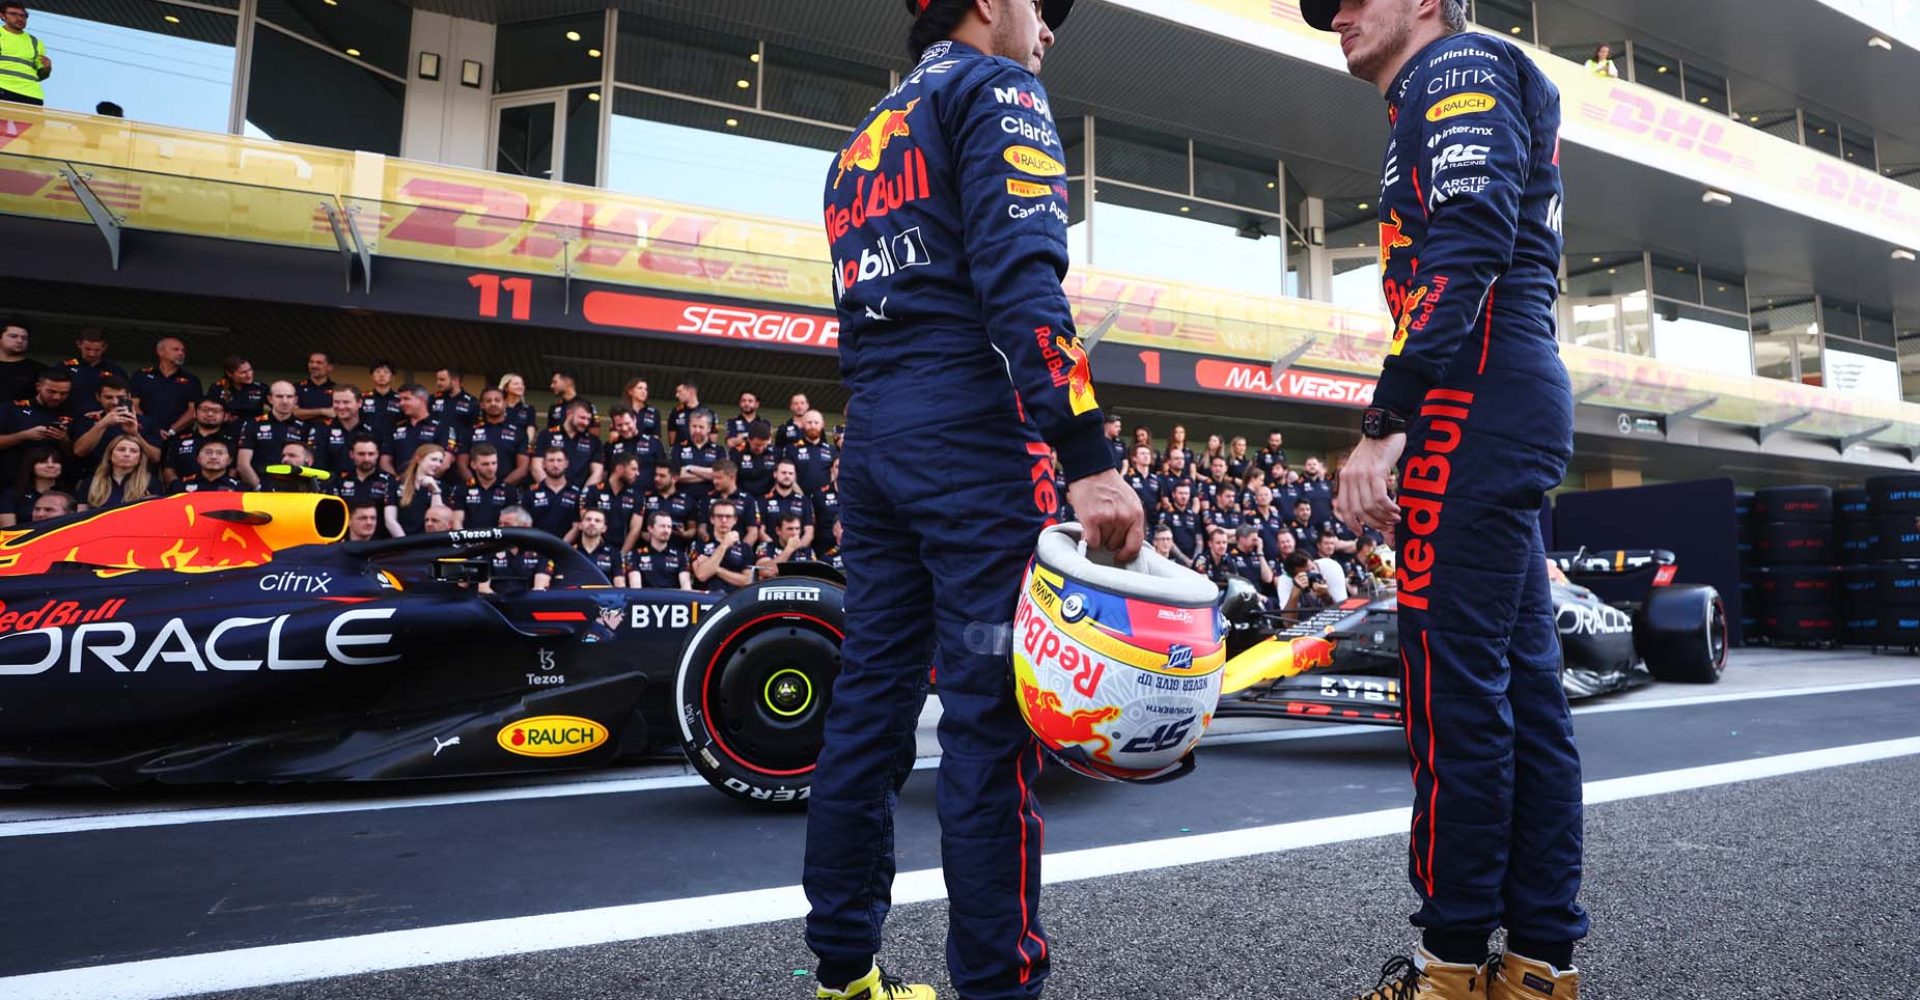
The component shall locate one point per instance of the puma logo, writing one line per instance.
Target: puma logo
(439, 746)
(882, 314)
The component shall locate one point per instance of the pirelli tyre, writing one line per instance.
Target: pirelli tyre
(1800, 589)
(1799, 504)
(1794, 543)
(753, 687)
(1859, 541)
(1752, 606)
(1850, 505)
(1742, 507)
(1899, 536)
(1899, 584)
(1860, 605)
(1900, 627)
(1896, 494)
(1681, 632)
(1793, 628)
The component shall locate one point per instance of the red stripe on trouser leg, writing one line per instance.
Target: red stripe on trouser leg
(1486, 339)
(1026, 812)
(1406, 725)
(1433, 770)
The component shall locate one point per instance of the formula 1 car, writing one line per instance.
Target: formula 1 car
(231, 637)
(1343, 664)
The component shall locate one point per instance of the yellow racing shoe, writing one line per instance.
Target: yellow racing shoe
(877, 985)
(1424, 977)
(1522, 978)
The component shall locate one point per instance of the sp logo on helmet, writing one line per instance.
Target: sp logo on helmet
(1074, 607)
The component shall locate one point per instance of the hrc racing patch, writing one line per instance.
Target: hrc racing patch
(1470, 103)
(1029, 160)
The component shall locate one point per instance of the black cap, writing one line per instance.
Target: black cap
(1319, 13)
(1054, 12)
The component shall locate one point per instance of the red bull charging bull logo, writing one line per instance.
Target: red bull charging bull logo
(864, 152)
(1079, 376)
(1391, 239)
(1063, 729)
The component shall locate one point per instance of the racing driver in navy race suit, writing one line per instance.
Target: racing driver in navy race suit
(1473, 408)
(947, 215)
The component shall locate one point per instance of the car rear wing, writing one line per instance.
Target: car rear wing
(1617, 563)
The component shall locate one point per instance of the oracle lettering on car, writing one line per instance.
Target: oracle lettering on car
(235, 644)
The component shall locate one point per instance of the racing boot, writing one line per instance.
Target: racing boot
(1522, 978)
(877, 985)
(1424, 977)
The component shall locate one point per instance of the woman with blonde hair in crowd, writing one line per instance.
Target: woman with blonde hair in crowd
(514, 387)
(420, 486)
(122, 478)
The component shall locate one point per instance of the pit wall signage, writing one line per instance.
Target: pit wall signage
(694, 272)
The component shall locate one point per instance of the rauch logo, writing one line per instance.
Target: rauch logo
(552, 736)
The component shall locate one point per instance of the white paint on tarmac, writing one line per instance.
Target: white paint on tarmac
(89, 822)
(289, 963)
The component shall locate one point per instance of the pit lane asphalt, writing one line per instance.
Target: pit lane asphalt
(109, 896)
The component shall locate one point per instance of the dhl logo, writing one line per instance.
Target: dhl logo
(864, 152)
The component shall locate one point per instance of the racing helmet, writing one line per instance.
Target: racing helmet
(1117, 669)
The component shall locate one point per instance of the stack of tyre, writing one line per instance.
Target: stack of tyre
(1751, 626)
(1796, 554)
(1889, 576)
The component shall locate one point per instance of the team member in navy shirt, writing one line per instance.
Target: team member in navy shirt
(333, 437)
(262, 439)
(1185, 523)
(667, 498)
(508, 439)
(679, 422)
(757, 459)
(451, 402)
(693, 461)
(477, 503)
(42, 469)
(416, 427)
(17, 371)
(95, 432)
(565, 392)
(314, 394)
(635, 398)
(554, 502)
(789, 432)
(724, 562)
(596, 547)
(813, 453)
(514, 571)
(627, 438)
(1143, 480)
(787, 499)
(380, 407)
(657, 563)
(164, 392)
(620, 499)
(367, 483)
(726, 489)
(87, 366)
(586, 462)
(737, 427)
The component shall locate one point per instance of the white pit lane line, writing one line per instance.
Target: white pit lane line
(622, 786)
(245, 968)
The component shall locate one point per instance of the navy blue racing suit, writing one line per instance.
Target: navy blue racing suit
(947, 214)
(1470, 245)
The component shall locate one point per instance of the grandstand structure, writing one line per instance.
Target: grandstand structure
(627, 187)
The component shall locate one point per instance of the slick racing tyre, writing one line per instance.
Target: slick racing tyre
(1860, 605)
(1850, 505)
(1801, 629)
(1682, 634)
(753, 687)
(1899, 584)
(1899, 536)
(1794, 543)
(1752, 607)
(1743, 507)
(1800, 589)
(1799, 504)
(1860, 541)
(1897, 494)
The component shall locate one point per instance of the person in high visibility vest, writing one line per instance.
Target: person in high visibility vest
(23, 58)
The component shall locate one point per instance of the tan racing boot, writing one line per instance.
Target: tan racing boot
(1522, 978)
(1424, 977)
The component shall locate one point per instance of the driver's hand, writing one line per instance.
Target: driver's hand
(1361, 497)
(1109, 512)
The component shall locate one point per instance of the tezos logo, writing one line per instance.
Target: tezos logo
(1074, 607)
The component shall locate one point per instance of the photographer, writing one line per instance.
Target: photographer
(1304, 586)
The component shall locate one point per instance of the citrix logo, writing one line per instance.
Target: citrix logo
(297, 583)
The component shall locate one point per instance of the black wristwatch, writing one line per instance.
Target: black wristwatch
(1378, 423)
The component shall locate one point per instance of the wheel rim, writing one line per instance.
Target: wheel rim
(1717, 636)
(767, 697)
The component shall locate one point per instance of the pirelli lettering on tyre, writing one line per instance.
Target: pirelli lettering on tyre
(1029, 160)
(1470, 103)
(552, 736)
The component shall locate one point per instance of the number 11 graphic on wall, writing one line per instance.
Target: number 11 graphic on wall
(519, 290)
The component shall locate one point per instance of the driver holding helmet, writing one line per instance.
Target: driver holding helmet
(948, 232)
